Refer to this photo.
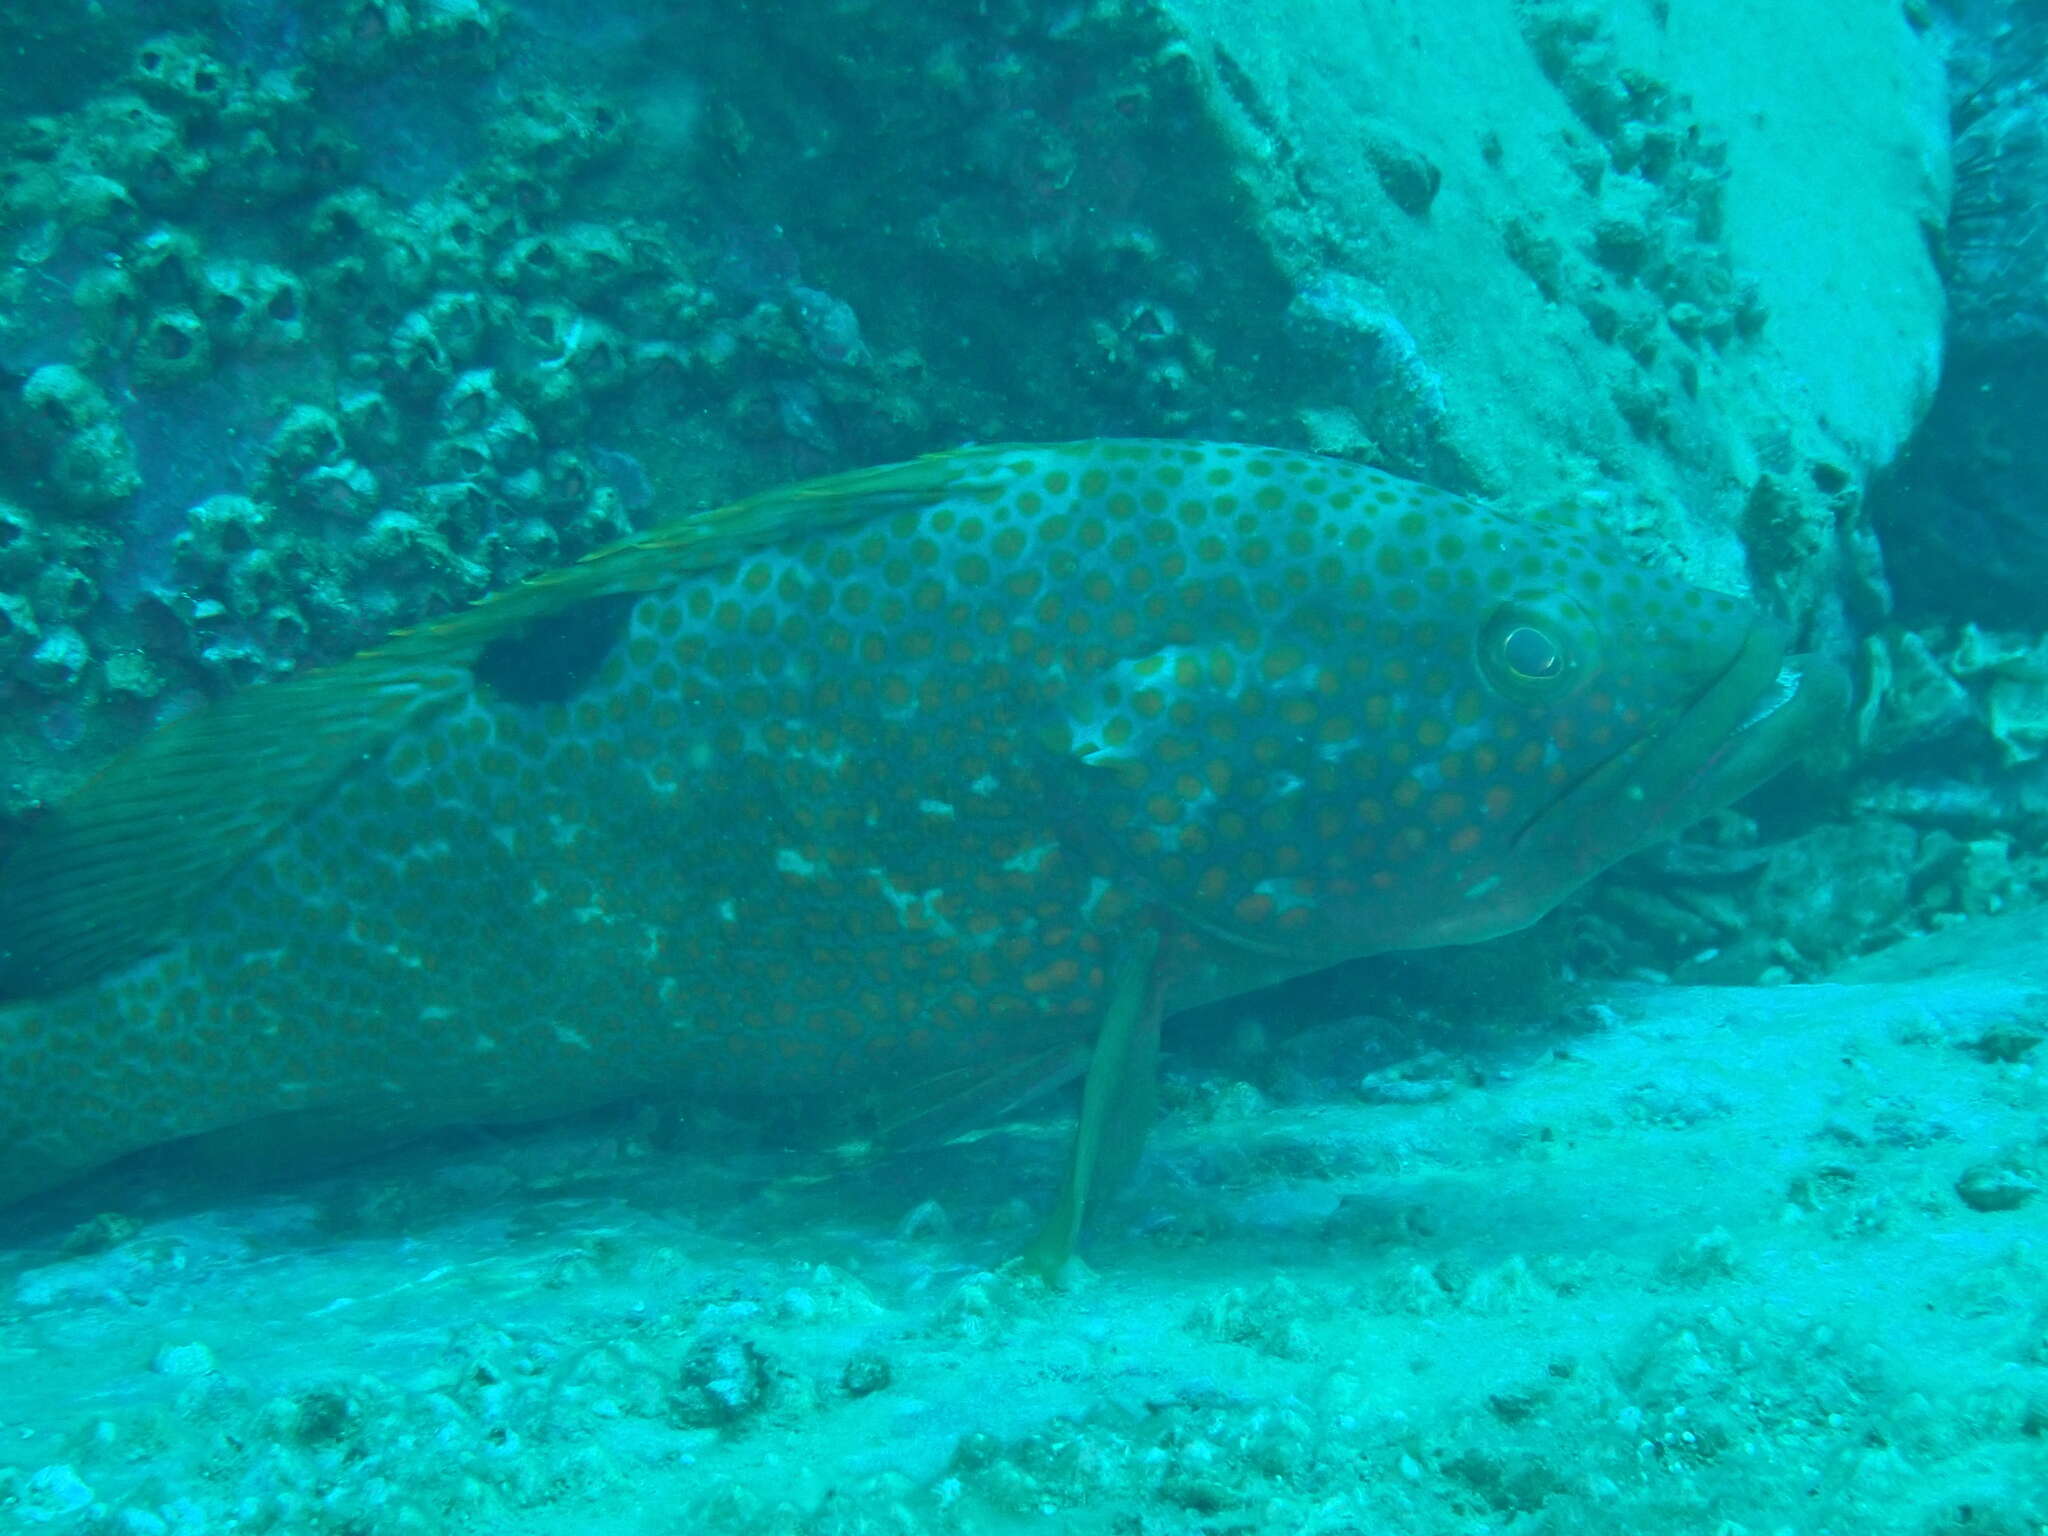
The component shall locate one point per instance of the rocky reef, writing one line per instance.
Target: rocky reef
(1617, 1266)
(321, 317)
(1960, 510)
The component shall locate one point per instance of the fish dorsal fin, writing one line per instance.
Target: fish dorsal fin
(700, 541)
(113, 873)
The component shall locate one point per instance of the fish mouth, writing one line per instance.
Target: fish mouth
(1765, 710)
(1792, 714)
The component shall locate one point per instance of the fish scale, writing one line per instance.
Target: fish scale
(875, 786)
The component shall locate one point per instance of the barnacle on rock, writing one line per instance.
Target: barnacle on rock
(178, 70)
(89, 459)
(252, 305)
(111, 307)
(58, 661)
(307, 435)
(173, 344)
(19, 631)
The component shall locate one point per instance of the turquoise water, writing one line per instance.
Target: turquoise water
(1708, 1202)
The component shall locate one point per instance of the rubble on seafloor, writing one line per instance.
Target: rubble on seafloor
(1619, 1257)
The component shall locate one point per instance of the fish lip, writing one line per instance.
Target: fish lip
(1762, 711)
(1787, 719)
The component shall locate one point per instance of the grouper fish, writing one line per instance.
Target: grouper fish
(910, 784)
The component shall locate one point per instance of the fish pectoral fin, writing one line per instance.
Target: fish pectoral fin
(958, 1105)
(112, 873)
(1118, 1103)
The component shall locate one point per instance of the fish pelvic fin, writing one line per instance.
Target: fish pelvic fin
(113, 873)
(1118, 1102)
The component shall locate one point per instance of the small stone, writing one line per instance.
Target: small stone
(1708, 1257)
(1686, 320)
(1373, 1222)
(867, 1371)
(723, 1380)
(1621, 245)
(51, 1493)
(324, 1417)
(1536, 253)
(928, 1219)
(2008, 1039)
(1408, 176)
(1423, 1079)
(977, 1449)
(133, 673)
(107, 1230)
(1515, 1406)
(1996, 1186)
(1205, 1495)
(183, 1360)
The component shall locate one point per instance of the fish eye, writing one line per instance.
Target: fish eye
(1537, 647)
(1530, 654)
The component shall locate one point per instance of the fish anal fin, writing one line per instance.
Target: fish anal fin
(958, 1103)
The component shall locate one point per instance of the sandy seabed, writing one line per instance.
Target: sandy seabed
(1687, 1259)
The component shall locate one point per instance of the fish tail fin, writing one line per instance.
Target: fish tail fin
(107, 876)
(112, 873)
